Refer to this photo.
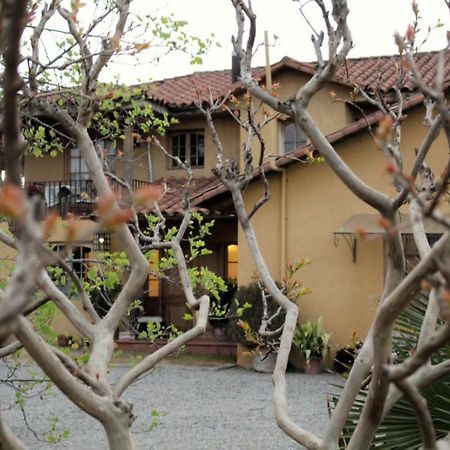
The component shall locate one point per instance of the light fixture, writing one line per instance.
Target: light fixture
(102, 242)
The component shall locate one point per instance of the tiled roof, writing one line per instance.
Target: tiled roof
(181, 92)
(171, 202)
(218, 188)
(207, 188)
(382, 72)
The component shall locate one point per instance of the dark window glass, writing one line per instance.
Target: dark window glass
(197, 150)
(179, 147)
(294, 137)
(79, 263)
(410, 249)
(108, 149)
(189, 147)
(78, 168)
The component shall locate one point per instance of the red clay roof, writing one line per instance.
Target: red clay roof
(171, 202)
(206, 188)
(382, 72)
(180, 92)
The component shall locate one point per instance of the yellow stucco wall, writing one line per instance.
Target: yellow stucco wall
(83, 236)
(331, 115)
(45, 168)
(344, 293)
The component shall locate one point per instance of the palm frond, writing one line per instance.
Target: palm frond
(399, 429)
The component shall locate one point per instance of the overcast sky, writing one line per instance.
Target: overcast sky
(372, 22)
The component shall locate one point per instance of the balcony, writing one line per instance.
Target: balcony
(77, 197)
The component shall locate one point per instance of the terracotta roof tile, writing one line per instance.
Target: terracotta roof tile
(368, 73)
(381, 72)
(349, 130)
(182, 91)
(171, 202)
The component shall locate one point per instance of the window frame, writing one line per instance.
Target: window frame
(231, 262)
(78, 175)
(410, 251)
(108, 147)
(188, 147)
(296, 143)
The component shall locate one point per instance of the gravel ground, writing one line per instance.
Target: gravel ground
(202, 409)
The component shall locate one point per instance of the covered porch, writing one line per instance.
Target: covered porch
(163, 300)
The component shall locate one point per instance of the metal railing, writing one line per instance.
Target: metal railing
(77, 197)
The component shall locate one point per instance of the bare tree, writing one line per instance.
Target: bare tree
(33, 90)
(74, 108)
(389, 381)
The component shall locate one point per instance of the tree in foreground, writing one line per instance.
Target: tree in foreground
(420, 190)
(75, 109)
(52, 99)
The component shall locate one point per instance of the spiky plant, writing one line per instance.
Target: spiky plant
(399, 429)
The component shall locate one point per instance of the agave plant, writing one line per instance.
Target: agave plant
(399, 429)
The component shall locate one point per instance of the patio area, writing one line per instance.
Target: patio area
(209, 407)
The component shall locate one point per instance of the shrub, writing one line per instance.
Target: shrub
(251, 294)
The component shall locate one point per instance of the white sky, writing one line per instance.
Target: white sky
(372, 22)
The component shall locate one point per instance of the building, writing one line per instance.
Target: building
(310, 214)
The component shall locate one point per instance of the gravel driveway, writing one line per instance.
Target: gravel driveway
(202, 409)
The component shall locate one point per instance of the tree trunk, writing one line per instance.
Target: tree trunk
(118, 432)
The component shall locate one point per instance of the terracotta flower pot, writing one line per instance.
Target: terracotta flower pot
(313, 366)
(265, 362)
(297, 358)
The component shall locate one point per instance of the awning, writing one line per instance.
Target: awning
(369, 223)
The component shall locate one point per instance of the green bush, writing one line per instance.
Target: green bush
(251, 294)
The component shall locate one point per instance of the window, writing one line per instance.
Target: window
(410, 249)
(232, 261)
(78, 168)
(80, 265)
(102, 242)
(77, 259)
(293, 137)
(190, 148)
(108, 149)
(154, 282)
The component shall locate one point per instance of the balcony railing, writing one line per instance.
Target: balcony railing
(77, 197)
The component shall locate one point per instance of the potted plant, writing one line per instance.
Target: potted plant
(248, 307)
(219, 312)
(312, 341)
(345, 356)
(218, 319)
(264, 352)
